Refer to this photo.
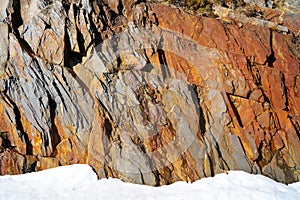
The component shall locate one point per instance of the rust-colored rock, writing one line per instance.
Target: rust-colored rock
(146, 92)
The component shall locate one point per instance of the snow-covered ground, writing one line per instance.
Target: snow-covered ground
(80, 182)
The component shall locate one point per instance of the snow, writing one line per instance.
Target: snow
(80, 182)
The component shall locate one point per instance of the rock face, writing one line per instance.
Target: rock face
(146, 92)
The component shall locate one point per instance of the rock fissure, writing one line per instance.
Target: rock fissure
(271, 58)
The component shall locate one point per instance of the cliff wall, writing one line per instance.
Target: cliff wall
(147, 92)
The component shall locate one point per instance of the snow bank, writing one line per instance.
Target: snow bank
(80, 182)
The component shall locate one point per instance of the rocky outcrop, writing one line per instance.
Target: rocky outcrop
(146, 92)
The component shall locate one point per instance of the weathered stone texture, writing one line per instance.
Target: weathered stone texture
(146, 92)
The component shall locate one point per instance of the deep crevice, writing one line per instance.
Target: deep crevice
(29, 167)
(95, 33)
(259, 158)
(163, 61)
(16, 18)
(56, 139)
(120, 7)
(220, 156)
(196, 99)
(108, 128)
(235, 111)
(19, 126)
(271, 58)
(23, 43)
(71, 58)
(22, 133)
(16, 22)
(211, 165)
(285, 90)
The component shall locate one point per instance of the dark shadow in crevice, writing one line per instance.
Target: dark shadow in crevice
(71, 58)
(16, 18)
(108, 128)
(271, 58)
(55, 137)
(5, 140)
(163, 62)
(196, 100)
(16, 22)
(29, 167)
(236, 113)
(20, 130)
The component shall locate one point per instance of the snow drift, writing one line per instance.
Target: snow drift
(80, 182)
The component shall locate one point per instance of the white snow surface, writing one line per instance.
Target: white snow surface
(80, 182)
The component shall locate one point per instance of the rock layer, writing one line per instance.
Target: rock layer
(146, 92)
